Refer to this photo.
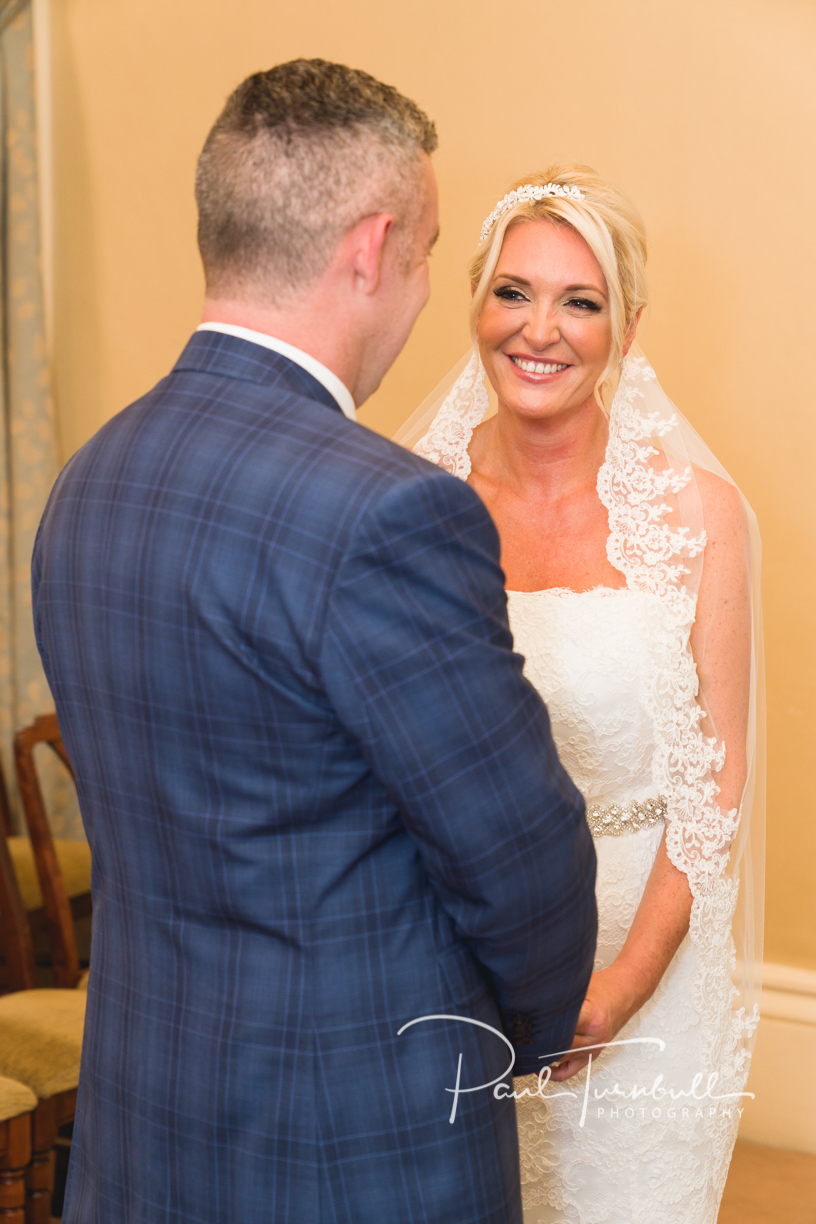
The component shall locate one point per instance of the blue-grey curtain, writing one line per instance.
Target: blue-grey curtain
(28, 459)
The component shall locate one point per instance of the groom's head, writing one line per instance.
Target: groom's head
(299, 155)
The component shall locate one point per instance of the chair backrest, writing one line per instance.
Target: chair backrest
(15, 938)
(45, 730)
(6, 825)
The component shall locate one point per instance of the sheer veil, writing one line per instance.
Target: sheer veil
(656, 481)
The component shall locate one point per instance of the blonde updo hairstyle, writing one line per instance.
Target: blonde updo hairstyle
(611, 228)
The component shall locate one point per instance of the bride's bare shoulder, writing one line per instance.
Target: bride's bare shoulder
(724, 511)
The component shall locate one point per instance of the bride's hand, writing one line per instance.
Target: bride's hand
(616, 993)
(611, 1000)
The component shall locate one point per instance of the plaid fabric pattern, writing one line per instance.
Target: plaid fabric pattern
(322, 802)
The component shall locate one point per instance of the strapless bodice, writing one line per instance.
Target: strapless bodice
(586, 654)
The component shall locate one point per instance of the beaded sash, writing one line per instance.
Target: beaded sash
(617, 818)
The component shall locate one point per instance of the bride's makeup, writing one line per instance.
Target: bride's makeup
(545, 329)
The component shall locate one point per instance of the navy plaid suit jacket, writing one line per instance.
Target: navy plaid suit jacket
(322, 802)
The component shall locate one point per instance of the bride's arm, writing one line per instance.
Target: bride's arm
(721, 643)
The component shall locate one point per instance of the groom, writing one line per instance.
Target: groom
(322, 800)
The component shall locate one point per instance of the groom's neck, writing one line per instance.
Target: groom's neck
(312, 322)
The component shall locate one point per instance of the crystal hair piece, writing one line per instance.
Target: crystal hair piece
(525, 195)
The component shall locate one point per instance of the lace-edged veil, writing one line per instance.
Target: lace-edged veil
(656, 481)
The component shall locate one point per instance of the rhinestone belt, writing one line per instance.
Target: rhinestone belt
(617, 818)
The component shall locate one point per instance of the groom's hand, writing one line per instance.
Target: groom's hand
(611, 1000)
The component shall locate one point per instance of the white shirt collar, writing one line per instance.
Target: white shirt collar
(337, 389)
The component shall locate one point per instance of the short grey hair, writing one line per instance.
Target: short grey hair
(297, 157)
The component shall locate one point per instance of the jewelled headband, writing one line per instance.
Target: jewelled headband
(525, 195)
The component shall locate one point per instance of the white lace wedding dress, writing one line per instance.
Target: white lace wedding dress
(615, 1158)
(648, 1139)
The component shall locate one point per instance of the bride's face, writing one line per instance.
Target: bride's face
(545, 329)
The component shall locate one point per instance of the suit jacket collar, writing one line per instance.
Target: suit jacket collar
(231, 357)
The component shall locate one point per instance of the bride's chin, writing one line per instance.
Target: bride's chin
(532, 406)
(539, 403)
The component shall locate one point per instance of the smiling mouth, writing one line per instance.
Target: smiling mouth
(538, 367)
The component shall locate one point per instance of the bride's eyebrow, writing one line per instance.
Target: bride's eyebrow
(584, 288)
(519, 280)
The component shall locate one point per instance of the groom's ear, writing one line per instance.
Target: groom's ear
(365, 245)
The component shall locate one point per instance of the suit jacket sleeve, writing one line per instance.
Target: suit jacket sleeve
(418, 662)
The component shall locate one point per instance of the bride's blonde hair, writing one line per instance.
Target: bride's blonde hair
(611, 228)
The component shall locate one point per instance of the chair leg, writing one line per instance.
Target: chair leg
(40, 1172)
(15, 1153)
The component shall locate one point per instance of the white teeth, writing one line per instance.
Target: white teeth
(538, 367)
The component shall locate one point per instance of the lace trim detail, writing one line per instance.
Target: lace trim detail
(446, 442)
(562, 590)
(652, 554)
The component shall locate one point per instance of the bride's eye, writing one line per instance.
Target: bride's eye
(509, 293)
(585, 304)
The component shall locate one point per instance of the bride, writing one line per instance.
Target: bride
(632, 569)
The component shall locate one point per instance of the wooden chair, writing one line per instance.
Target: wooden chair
(16, 1105)
(15, 934)
(55, 873)
(40, 1046)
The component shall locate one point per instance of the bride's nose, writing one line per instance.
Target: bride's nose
(541, 329)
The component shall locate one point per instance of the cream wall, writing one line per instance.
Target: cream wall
(702, 111)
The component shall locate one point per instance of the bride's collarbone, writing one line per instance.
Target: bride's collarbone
(577, 509)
